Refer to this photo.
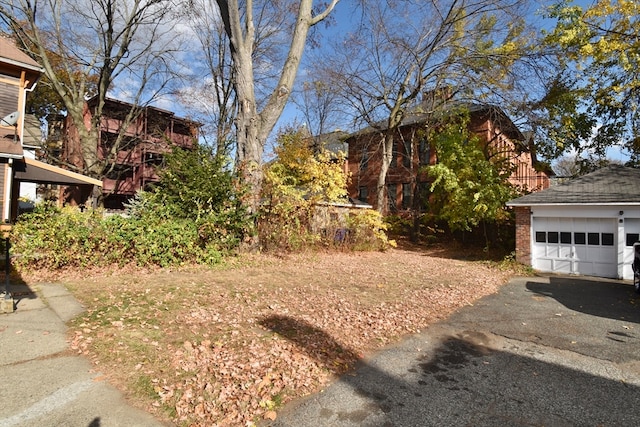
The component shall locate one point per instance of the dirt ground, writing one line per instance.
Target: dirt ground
(229, 346)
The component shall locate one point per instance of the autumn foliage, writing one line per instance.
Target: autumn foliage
(229, 347)
(300, 186)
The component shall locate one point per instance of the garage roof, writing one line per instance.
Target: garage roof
(611, 185)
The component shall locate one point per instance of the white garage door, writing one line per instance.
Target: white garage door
(584, 246)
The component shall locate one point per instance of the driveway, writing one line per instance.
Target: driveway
(543, 351)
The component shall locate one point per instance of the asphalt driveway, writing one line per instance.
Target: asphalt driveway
(544, 351)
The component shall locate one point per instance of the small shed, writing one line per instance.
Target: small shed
(331, 218)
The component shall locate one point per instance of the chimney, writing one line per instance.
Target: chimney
(436, 98)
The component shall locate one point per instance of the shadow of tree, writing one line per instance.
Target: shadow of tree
(12, 285)
(597, 297)
(459, 381)
(315, 342)
(452, 250)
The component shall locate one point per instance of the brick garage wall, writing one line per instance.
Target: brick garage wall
(523, 235)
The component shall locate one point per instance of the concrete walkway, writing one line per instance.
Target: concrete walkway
(43, 383)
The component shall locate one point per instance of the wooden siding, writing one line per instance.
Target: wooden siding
(9, 93)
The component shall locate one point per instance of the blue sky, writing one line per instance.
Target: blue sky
(343, 21)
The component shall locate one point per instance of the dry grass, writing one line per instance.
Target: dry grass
(228, 346)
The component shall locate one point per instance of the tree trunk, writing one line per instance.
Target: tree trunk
(387, 156)
(253, 127)
(395, 120)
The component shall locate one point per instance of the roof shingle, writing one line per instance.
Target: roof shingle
(9, 52)
(610, 185)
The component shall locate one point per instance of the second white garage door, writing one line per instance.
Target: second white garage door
(584, 246)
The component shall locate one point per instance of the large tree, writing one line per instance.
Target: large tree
(598, 94)
(255, 122)
(211, 97)
(85, 47)
(402, 50)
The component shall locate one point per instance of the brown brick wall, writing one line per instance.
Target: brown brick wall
(523, 235)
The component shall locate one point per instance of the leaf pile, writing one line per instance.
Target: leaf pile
(228, 347)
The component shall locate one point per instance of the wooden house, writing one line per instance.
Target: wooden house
(19, 74)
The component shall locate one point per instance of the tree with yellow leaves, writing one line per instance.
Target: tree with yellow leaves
(293, 183)
(600, 50)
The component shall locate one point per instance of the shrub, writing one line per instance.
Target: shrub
(398, 225)
(193, 215)
(368, 231)
(55, 238)
(296, 180)
(299, 188)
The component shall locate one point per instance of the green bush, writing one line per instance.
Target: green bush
(54, 238)
(193, 215)
(398, 225)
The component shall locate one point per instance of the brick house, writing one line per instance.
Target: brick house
(133, 165)
(407, 186)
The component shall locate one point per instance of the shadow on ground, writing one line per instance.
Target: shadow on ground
(15, 286)
(597, 297)
(458, 381)
(452, 250)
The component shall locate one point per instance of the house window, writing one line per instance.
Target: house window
(579, 238)
(406, 196)
(607, 239)
(424, 151)
(593, 238)
(364, 160)
(541, 237)
(552, 237)
(363, 193)
(632, 238)
(394, 155)
(391, 196)
(406, 157)
(423, 195)
(565, 237)
(155, 159)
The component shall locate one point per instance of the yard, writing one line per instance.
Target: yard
(229, 346)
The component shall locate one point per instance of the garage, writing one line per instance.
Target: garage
(584, 226)
(575, 246)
